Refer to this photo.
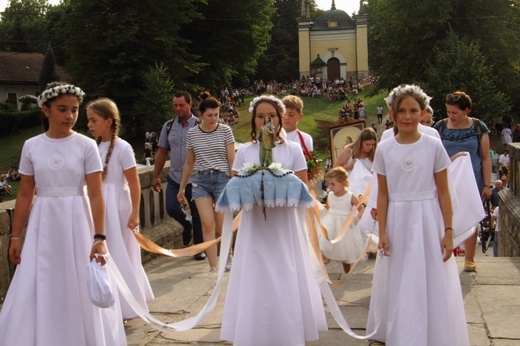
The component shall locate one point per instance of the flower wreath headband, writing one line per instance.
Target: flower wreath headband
(276, 100)
(60, 90)
(407, 89)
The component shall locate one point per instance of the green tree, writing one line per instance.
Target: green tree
(155, 106)
(229, 38)
(22, 25)
(495, 26)
(460, 65)
(403, 36)
(56, 30)
(48, 71)
(112, 43)
(280, 61)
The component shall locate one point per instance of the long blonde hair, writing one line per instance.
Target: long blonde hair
(365, 135)
(107, 109)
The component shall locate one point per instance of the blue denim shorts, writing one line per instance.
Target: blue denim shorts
(208, 183)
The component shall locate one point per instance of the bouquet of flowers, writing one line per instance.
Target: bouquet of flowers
(313, 168)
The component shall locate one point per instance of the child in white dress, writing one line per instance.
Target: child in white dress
(47, 302)
(122, 192)
(272, 297)
(340, 203)
(416, 279)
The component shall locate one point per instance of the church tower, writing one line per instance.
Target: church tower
(333, 45)
(304, 40)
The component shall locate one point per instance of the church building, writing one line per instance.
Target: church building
(334, 45)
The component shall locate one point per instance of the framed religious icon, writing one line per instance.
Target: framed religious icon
(342, 135)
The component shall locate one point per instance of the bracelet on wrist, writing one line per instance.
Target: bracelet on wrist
(100, 236)
(16, 238)
(364, 205)
(97, 242)
(448, 228)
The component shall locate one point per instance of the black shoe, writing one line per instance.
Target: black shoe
(200, 256)
(186, 236)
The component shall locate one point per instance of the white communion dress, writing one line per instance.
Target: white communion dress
(351, 246)
(421, 294)
(120, 239)
(47, 302)
(272, 297)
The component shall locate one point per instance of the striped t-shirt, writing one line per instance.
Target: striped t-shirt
(210, 148)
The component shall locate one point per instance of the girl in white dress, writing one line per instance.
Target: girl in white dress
(415, 275)
(122, 192)
(272, 297)
(339, 204)
(47, 302)
(362, 149)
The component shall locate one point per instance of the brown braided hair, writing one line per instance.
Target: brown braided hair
(107, 109)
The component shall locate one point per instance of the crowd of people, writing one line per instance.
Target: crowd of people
(408, 173)
(5, 188)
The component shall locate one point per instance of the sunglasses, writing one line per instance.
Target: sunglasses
(451, 97)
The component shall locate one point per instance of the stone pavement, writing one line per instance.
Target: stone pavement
(182, 287)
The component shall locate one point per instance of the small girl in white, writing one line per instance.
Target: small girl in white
(339, 204)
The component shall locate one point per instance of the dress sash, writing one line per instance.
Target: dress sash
(411, 196)
(63, 191)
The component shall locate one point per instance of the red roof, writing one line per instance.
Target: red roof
(24, 68)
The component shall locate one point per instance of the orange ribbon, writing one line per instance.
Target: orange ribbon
(150, 246)
(313, 237)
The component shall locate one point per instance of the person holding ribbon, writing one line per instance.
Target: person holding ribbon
(122, 192)
(462, 134)
(340, 203)
(48, 302)
(414, 212)
(272, 297)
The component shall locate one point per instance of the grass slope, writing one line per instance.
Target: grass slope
(319, 114)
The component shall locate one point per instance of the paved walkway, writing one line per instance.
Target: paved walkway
(182, 287)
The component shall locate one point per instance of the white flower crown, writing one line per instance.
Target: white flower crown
(407, 89)
(270, 98)
(59, 90)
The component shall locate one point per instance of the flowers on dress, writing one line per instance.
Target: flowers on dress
(249, 167)
(276, 166)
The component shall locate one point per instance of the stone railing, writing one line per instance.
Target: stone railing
(509, 221)
(155, 224)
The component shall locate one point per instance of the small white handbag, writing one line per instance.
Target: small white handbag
(98, 285)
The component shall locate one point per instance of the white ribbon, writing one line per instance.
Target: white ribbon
(191, 322)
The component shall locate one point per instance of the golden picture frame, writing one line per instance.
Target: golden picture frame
(341, 135)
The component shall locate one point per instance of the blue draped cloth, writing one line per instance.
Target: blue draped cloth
(281, 188)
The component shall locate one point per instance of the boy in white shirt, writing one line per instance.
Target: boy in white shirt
(293, 115)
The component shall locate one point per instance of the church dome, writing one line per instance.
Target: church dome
(333, 20)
